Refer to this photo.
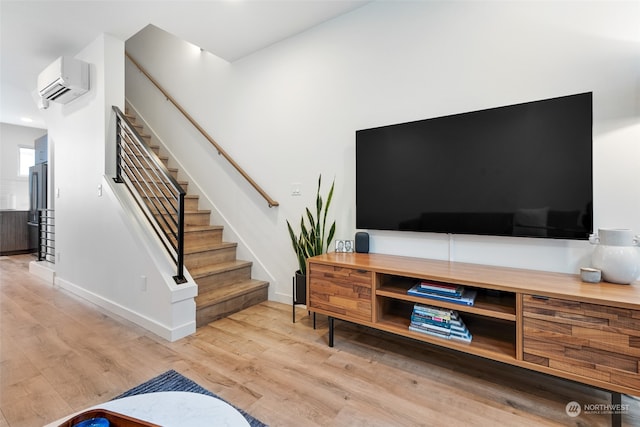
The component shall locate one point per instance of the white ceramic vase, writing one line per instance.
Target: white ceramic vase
(616, 255)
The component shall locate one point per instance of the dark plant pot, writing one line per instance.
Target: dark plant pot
(300, 288)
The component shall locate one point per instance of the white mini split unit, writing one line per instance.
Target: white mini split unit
(63, 81)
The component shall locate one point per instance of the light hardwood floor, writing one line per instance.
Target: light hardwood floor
(60, 354)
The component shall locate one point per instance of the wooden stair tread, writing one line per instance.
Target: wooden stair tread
(187, 212)
(228, 292)
(221, 267)
(186, 196)
(196, 228)
(210, 246)
(148, 167)
(183, 183)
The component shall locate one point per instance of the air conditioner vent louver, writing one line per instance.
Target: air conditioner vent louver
(64, 80)
(55, 92)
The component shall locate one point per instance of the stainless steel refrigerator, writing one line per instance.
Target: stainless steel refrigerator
(37, 200)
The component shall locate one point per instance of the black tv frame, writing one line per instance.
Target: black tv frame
(399, 187)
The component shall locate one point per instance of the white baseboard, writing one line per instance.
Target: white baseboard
(44, 270)
(163, 331)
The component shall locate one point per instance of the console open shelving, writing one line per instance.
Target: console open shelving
(497, 304)
(492, 338)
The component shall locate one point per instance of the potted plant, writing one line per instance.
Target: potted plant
(313, 240)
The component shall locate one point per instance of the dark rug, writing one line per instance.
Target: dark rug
(173, 381)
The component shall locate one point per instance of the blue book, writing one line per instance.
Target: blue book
(444, 316)
(441, 288)
(434, 311)
(466, 337)
(430, 331)
(429, 321)
(468, 296)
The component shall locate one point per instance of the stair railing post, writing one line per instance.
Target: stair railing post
(118, 177)
(180, 250)
(40, 229)
(136, 162)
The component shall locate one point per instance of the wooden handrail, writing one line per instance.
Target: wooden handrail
(221, 152)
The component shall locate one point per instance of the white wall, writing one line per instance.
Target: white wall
(289, 112)
(102, 252)
(14, 189)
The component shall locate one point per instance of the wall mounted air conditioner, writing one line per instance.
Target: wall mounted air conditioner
(64, 80)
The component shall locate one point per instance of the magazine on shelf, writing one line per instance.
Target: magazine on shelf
(434, 328)
(441, 288)
(453, 329)
(466, 337)
(435, 311)
(438, 321)
(460, 327)
(428, 331)
(467, 298)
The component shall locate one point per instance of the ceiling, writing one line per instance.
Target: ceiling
(34, 33)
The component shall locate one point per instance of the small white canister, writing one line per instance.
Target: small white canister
(616, 255)
(590, 275)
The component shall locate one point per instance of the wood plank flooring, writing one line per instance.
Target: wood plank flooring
(60, 354)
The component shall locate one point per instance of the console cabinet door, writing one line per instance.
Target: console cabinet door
(589, 340)
(341, 291)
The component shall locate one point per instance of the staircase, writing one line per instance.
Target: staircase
(224, 283)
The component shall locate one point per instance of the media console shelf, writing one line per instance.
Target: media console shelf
(543, 321)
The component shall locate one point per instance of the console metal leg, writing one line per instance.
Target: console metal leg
(314, 320)
(330, 331)
(616, 403)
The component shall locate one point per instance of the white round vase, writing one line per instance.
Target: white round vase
(616, 255)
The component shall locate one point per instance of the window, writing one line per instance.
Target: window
(26, 159)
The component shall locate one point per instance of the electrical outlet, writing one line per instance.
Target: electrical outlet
(296, 189)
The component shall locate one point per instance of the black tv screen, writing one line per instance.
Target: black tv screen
(517, 170)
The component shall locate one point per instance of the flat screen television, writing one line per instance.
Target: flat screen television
(518, 170)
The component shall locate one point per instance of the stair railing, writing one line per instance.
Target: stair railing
(217, 146)
(46, 235)
(156, 191)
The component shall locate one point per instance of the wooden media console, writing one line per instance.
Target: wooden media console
(543, 321)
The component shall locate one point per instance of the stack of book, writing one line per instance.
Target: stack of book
(439, 322)
(444, 292)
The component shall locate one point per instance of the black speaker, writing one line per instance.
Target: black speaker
(362, 242)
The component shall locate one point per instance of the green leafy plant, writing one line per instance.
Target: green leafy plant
(312, 239)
